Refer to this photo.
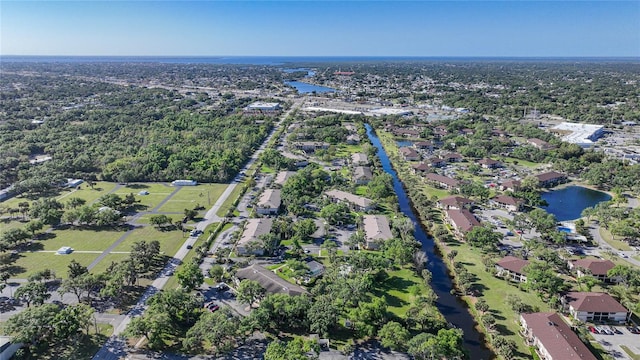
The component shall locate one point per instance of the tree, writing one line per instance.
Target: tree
(215, 332)
(159, 220)
(32, 293)
(75, 269)
(489, 321)
(323, 315)
(504, 347)
(190, 276)
(484, 237)
(14, 236)
(249, 292)
(216, 272)
(75, 202)
(369, 316)
(72, 320)
(34, 325)
(34, 226)
(451, 255)
(296, 349)
(190, 214)
(393, 335)
(113, 201)
(48, 210)
(337, 214)
(305, 228)
(446, 344)
(482, 306)
(143, 254)
(541, 278)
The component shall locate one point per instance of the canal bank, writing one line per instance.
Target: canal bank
(454, 310)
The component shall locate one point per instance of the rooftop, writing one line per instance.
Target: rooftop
(556, 336)
(593, 302)
(376, 227)
(271, 282)
(513, 264)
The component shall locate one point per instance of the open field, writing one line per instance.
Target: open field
(397, 289)
(81, 239)
(157, 193)
(84, 192)
(6, 224)
(104, 263)
(616, 244)
(170, 241)
(189, 197)
(32, 262)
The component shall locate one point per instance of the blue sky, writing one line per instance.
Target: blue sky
(321, 28)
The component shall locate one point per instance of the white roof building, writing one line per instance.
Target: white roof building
(584, 135)
(264, 106)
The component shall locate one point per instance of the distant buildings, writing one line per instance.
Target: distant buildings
(262, 108)
(454, 203)
(409, 154)
(6, 193)
(490, 163)
(355, 202)
(584, 135)
(359, 159)
(442, 181)
(184, 183)
(282, 177)
(508, 202)
(551, 179)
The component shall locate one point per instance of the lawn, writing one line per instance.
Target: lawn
(189, 197)
(345, 150)
(616, 244)
(630, 353)
(81, 239)
(518, 162)
(228, 203)
(145, 219)
(32, 262)
(170, 241)
(6, 224)
(439, 193)
(267, 170)
(157, 193)
(494, 291)
(397, 289)
(83, 192)
(104, 263)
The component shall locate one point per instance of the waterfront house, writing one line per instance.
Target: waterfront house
(509, 203)
(269, 202)
(376, 230)
(510, 185)
(420, 168)
(424, 145)
(442, 181)
(594, 307)
(454, 202)
(512, 267)
(436, 162)
(552, 338)
(551, 179)
(461, 220)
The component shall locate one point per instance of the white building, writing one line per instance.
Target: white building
(595, 307)
(184, 183)
(269, 202)
(250, 240)
(584, 135)
(260, 108)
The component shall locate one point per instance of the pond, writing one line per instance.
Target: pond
(404, 143)
(567, 203)
(305, 88)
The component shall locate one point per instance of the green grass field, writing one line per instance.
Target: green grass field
(81, 239)
(104, 263)
(170, 241)
(616, 244)
(494, 291)
(83, 192)
(6, 224)
(396, 289)
(188, 197)
(439, 193)
(29, 263)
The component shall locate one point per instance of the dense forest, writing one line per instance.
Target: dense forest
(96, 130)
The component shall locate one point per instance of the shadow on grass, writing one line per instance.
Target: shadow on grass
(137, 186)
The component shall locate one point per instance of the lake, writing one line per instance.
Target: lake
(567, 203)
(304, 88)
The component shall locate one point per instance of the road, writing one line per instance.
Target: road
(115, 347)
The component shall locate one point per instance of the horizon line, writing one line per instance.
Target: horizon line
(344, 56)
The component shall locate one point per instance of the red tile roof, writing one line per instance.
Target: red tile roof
(508, 200)
(556, 336)
(513, 264)
(551, 175)
(593, 302)
(442, 179)
(596, 266)
(455, 201)
(463, 219)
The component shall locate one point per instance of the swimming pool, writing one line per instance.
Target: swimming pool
(565, 229)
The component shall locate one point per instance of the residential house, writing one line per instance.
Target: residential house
(362, 175)
(420, 168)
(594, 267)
(359, 159)
(409, 154)
(250, 242)
(424, 145)
(269, 202)
(467, 131)
(540, 144)
(355, 202)
(376, 230)
(552, 338)
(551, 179)
(436, 162)
(508, 202)
(511, 185)
(595, 307)
(512, 267)
(268, 280)
(453, 157)
(454, 202)
(488, 163)
(353, 139)
(315, 268)
(282, 177)
(462, 220)
(442, 181)
(408, 133)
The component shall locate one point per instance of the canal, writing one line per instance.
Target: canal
(454, 310)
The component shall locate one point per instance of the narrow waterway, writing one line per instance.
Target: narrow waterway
(454, 310)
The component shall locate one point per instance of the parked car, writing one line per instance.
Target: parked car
(593, 330)
(221, 287)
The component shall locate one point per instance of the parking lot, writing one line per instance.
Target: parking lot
(612, 343)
